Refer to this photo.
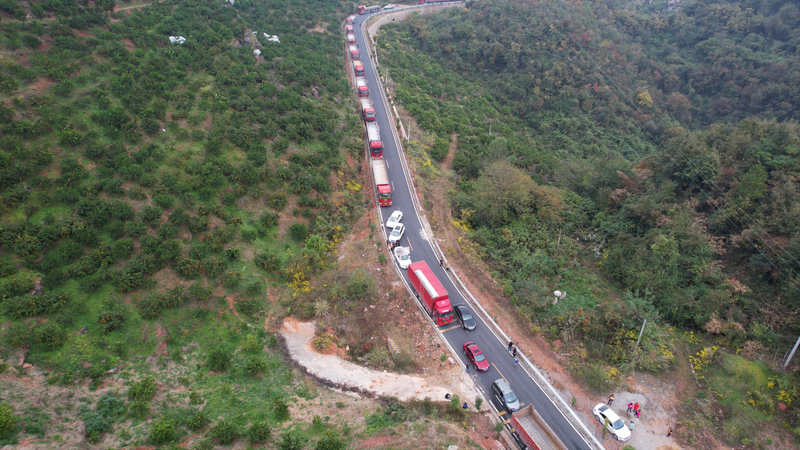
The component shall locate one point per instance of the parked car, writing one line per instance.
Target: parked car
(476, 356)
(389, 6)
(615, 425)
(504, 395)
(403, 256)
(394, 219)
(397, 233)
(465, 317)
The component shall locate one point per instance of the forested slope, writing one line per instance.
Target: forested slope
(150, 192)
(642, 160)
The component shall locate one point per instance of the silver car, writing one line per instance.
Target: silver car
(504, 395)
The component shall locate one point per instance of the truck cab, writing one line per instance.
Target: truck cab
(351, 38)
(350, 20)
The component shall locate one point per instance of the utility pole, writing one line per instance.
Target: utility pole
(794, 349)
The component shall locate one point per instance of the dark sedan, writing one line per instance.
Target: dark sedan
(465, 317)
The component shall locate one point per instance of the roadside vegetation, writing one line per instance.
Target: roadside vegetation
(672, 199)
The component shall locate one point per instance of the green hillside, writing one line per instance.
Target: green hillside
(601, 154)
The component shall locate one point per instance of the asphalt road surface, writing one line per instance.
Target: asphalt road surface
(502, 363)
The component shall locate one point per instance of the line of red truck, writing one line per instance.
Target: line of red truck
(428, 289)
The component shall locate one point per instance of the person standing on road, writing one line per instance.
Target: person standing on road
(635, 407)
(514, 352)
(638, 413)
(510, 345)
(632, 424)
(516, 361)
(441, 262)
(611, 400)
(467, 367)
(669, 433)
(630, 407)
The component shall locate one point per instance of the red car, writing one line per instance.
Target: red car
(476, 356)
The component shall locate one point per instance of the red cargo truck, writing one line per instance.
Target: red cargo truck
(367, 110)
(363, 89)
(351, 38)
(430, 293)
(374, 139)
(354, 52)
(382, 185)
(350, 19)
(358, 68)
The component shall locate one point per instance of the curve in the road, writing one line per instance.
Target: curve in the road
(525, 386)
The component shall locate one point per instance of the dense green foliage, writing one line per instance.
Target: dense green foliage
(643, 160)
(140, 179)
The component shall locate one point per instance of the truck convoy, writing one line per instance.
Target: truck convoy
(382, 185)
(358, 68)
(368, 9)
(430, 292)
(367, 110)
(374, 139)
(533, 431)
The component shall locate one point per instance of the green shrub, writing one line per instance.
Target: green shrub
(258, 432)
(249, 307)
(139, 410)
(111, 406)
(232, 278)
(298, 231)
(281, 410)
(224, 432)
(330, 442)
(95, 424)
(291, 440)
(34, 305)
(8, 421)
(254, 366)
(219, 360)
(268, 262)
(49, 336)
(142, 390)
(110, 319)
(197, 291)
(197, 420)
(277, 201)
(251, 344)
(269, 219)
(162, 432)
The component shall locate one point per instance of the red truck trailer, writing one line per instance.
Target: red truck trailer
(363, 89)
(382, 185)
(354, 52)
(358, 67)
(368, 9)
(374, 139)
(350, 19)
(367, 110)
(430, 293)
(534, 431)
(351, 38)
(349, 29)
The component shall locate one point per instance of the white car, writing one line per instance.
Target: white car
(389, 6)
(394, 219)
(615, 425)
(397, 233)
(403, 256)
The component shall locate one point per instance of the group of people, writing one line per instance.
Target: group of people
(635, 409)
